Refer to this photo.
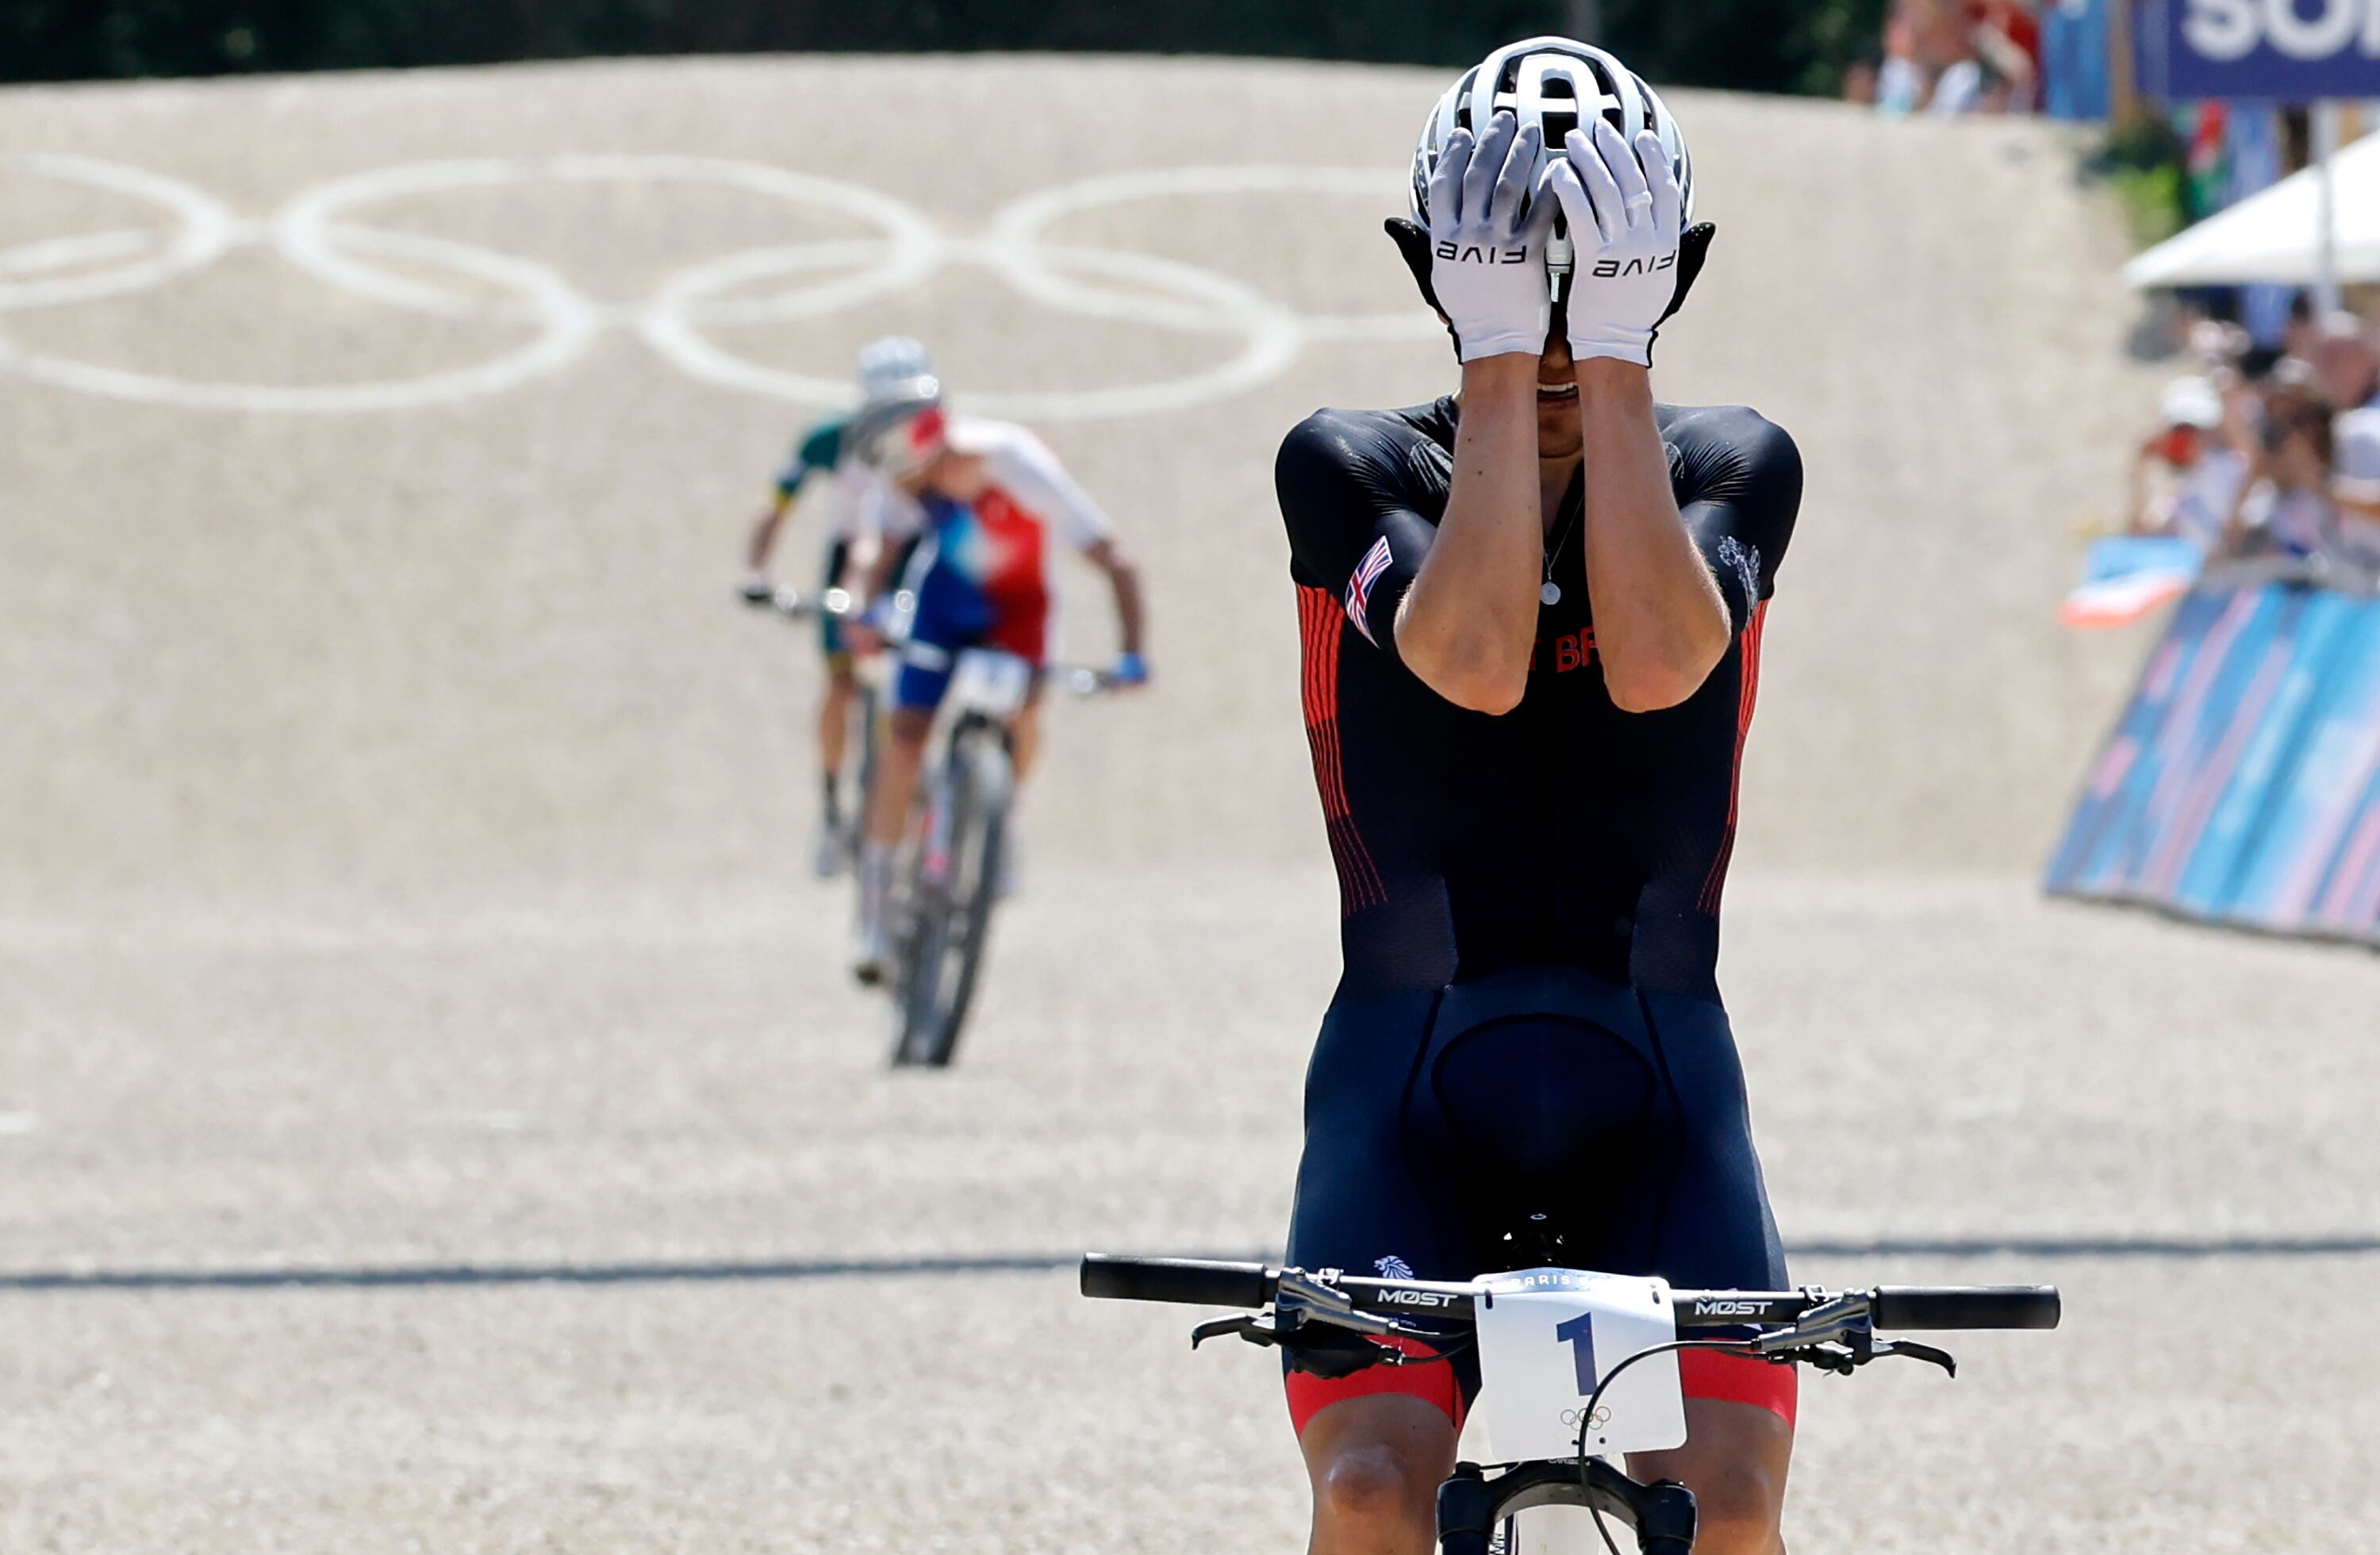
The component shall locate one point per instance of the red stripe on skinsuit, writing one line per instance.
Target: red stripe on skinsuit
(1322, 625)
(1747, 697)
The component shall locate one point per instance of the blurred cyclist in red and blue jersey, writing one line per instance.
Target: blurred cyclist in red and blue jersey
(994, 498)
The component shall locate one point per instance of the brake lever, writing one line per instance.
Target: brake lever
(1321, 1349)
(1916, 1352)
(1317, 1322)
(1849, 1353)
(1250, 1327)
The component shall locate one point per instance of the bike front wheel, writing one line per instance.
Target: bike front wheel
(954, 888)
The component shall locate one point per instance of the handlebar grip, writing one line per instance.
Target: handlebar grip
(1192, 1282)
(1966, 1306)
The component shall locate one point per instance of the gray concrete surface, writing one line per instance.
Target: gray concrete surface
(400, 834)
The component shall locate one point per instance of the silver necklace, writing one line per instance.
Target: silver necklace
(1551, 593)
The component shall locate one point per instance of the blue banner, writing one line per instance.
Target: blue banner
(2074, 59)
(2242, 783)
(2267, 51)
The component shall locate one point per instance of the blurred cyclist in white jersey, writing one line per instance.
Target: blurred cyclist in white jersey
(993, 496)
(866, 521)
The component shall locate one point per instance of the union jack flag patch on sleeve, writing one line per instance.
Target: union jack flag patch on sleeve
(1359, 588)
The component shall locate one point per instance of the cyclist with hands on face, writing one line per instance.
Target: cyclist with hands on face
(1531, 614)
(994, 496)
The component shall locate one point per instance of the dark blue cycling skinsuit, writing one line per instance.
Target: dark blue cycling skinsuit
(1527, 1042)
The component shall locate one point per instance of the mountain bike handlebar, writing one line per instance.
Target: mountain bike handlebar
(801, 603)
(1079, 680)
(1205, 1283)
(1084, 680)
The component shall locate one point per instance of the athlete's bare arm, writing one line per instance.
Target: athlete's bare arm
(1124, 576)
(1660, 623)
(876, 578)
(764, 532)
(2137, 488)
(875, 581)
(1469, 623)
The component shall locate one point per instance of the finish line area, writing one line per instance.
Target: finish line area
(435, 1113)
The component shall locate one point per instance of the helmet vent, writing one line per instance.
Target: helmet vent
(1558, 84)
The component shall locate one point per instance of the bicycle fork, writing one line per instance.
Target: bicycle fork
(1470, 1505)
(935, 866)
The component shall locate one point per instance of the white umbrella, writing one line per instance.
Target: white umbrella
(2274, 233)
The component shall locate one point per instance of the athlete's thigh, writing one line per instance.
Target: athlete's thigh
(1695, 1211)
(1364, 1203)
(1735, 1461)
(910, 725)
(1720, 1231)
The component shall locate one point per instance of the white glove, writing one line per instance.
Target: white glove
(1488, 241)
(1625, 214)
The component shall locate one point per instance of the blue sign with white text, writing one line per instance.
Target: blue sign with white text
(2270, 50)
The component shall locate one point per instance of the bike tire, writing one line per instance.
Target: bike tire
(922, 921)
(916, 1008)
(855, 828)
(981, 827)
(922, 1033)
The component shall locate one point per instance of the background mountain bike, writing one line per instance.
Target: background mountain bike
(941, 912)
(851, 825)
(1552, 1343)
(949, 881)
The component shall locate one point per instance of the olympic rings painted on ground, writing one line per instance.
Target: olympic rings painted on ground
(208, 230)
(316, 234)
(1272, 340)
(306, 226)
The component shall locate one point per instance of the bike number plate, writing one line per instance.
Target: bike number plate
(1548, 1336)
(988, 683)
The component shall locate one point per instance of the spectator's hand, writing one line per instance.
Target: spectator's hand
(1482, 261)
(1131, 673)
(1633, 265)
(757, 591)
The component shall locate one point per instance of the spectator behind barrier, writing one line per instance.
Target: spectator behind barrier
(2187, 476)
(2217, 344)
(2298, 336)
(1951, 57)
(1864, 80)
(1900, 83)
(2007, 40)
(2285, 508)
(2343, 356)
(2355, 485)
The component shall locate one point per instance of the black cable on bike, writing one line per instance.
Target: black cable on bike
(1455, 1345)
(1587, 1415)
(1436, 1354)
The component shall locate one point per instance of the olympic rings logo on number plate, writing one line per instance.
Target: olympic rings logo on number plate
(317, 232)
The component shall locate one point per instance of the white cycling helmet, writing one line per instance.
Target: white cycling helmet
(899, 428)
(1551, 83)
(890, 362)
